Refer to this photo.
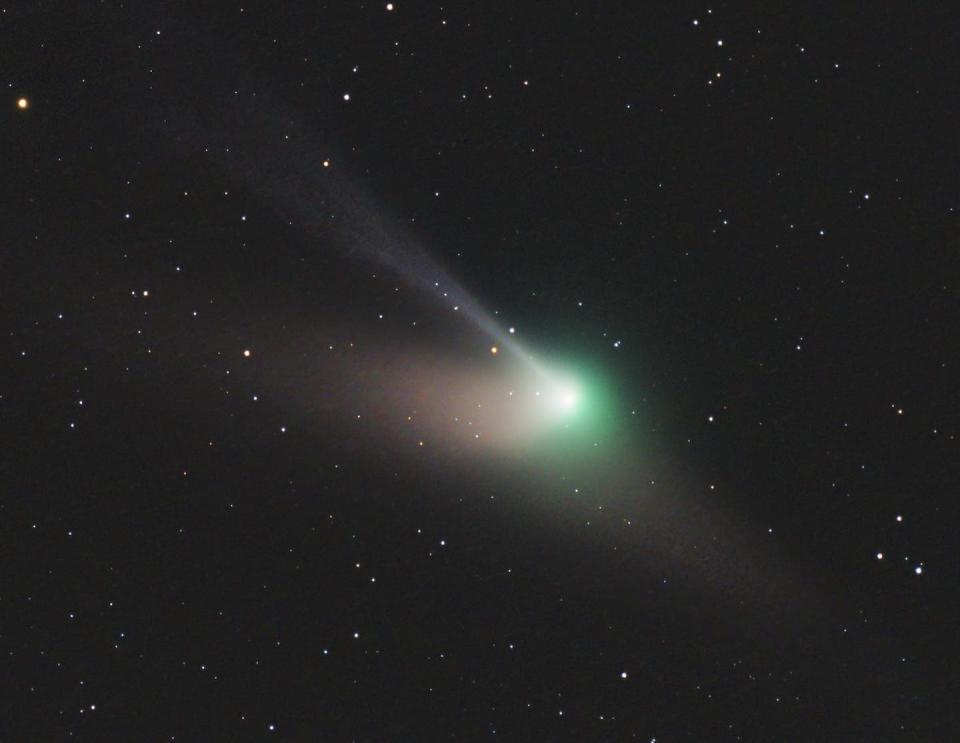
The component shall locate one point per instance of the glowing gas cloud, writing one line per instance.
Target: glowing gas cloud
(411, 396)
(524, 394)
(436, 406)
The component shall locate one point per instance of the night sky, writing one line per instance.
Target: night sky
(528, 371)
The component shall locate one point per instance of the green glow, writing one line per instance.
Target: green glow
(563, 396)
(582, 419)
(569, 398)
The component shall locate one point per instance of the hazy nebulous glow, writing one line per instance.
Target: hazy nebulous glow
(516, 398)
(567, 397)
(424, 400)
(517, 404)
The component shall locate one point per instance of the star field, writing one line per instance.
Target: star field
(525, 371)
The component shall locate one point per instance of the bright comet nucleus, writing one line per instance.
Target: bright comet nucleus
(568, 397)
